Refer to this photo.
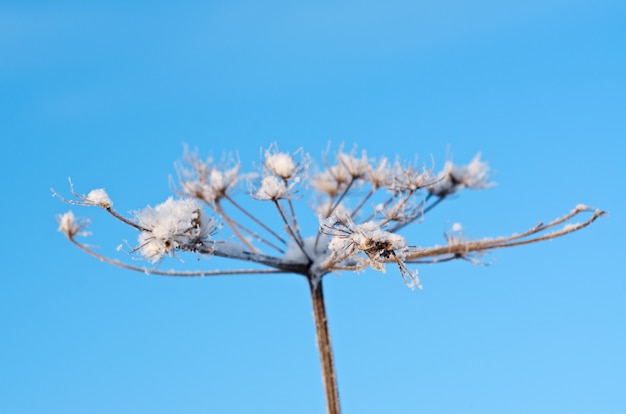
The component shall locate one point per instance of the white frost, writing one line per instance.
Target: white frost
(315, 248)
(570, 226)
(272, 188)
(280, 164)
(99, 197)
(474, 176)
(229, 248)
(67, 224)
(174, 224)
(356, 167)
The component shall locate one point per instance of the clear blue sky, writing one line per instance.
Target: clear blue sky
(108, 94)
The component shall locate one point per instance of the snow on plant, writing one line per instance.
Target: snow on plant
(174, 225)
(378, 246)
(362, 205)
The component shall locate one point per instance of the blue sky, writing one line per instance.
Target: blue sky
(109, 94)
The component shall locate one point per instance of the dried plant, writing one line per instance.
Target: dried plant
(361, 205)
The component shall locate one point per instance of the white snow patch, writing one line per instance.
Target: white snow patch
(172, 225)
(281, 164)
(570, 226)
(230, 248)
(315, 247)
(272, 188)
(99, 197)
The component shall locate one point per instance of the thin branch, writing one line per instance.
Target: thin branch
(87, 203)
(396, 207)
(363, 201)
(200, 273)
(124, 219)
(232, 225)
(433, 204)
(294, 220)
(258, 237)
(462, 249)
(253, 218)
(386, 203)
(296, 237)
(410, 218)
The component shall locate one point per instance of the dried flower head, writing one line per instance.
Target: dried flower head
(355, 167)
(332, 181)
(379, 247)
(206, 181)
(285, 165)
(71, 226)
(173, 225)
(273, 188)
(381, 175)
(474, 176)
(99, 197)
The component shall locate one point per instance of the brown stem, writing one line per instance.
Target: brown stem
(325, 349)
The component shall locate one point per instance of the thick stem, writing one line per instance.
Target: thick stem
(329, 376)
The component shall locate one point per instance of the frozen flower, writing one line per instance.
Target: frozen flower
(222, 180)
(409, 178)
(280, 164)
(206, 181)
(356, 167)
(367, 237)
(174, 225)
(380, 175)
(99, 197)
(453, 177)
(283, 164)
(379, 246)
(69, 225)
(332, 181)
(272, 188)
(402, 211)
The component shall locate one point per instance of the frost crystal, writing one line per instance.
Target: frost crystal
(381, 175)
(474, 176)
(280, 163)
(173, 225)
(348, 238)
(273, 189)
(68, 224)
(331, 181)
(221, 181)
(409, 178)
(356, 167)
(99, 197)
(379, 246)
(206, 181)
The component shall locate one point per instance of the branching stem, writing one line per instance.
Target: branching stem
(293, 233)
(253, 218)
(232, 225)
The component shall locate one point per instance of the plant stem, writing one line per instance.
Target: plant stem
(329, 376)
